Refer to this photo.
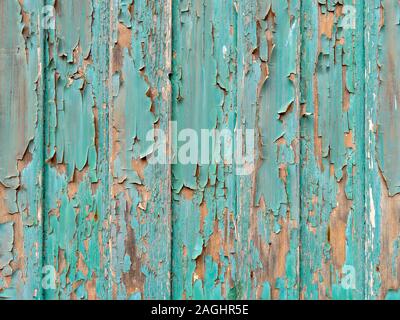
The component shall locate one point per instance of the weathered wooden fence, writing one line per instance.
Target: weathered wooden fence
(85, 214)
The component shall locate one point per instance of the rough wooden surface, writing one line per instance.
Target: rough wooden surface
(315, 215)
(382, 149)
(21, 145)
(268, 102)
(140, 193)
(77, 229)
(332, 151)
(203, 195)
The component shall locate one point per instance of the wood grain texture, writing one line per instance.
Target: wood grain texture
(97, 119)
(332, 151)
(140, 192)
(77, 228)
(382, 149)
(203, 192)
(268, 103)
(21, 145)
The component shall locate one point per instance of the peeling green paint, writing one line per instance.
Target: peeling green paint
(140, 204)
(332, 151)
(318, 83)
(21, 145)
(76, 168)
(268, 101)
(381, 189)
(203, 196)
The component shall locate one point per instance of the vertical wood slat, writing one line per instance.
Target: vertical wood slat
(140, 192)
(268, 102)
(382, 33)
(317, 218)
(21, 146)
(76, 224)
(203, 190)
(332, 151)
(107, 231)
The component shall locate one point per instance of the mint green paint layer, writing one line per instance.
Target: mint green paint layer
(21, 145)
(203, 192)
(140, 193)
(268, 102)
(316, 217)
(76, 197)
(382, 188)
(332, 150)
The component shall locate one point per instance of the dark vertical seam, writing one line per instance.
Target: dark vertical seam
(44, 57)
(301, 26)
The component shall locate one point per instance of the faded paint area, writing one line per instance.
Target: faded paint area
(82, 188)
(332, 151)
(76, 224)
(382, 179)
(140, 191)
(268, 101)
(203, 193)
(21, 150)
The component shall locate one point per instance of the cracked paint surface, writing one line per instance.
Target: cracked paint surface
(382, 187)
(332, 151)
(203, 195)
(80, 106)
(140, 192)
(76, 221)
(21, 147)
(268, 101)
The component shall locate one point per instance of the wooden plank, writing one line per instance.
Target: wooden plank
(76, 222)
(203, 188)
(276, 179)
(140, 193)
(268, 102)
(21, 148)
(382, 149)
(332, 151)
